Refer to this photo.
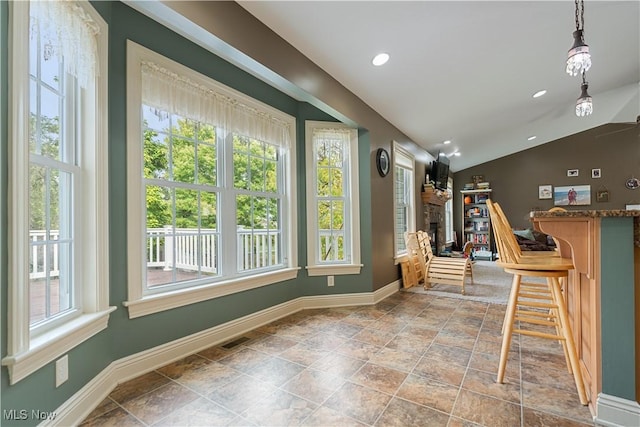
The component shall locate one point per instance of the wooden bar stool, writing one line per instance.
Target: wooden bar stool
(534, 303)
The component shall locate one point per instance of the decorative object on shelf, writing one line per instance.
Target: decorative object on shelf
(545, 192)
(572, 195)
(595, 173)
(573, 172)
(477, 178)
(584, 104)
(383, 163)
(602, 196)
(578, 57)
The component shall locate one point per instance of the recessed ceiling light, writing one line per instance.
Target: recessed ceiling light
(380, 59)
(448, 141)
(539, 93)
(531, 138)
(457, 154)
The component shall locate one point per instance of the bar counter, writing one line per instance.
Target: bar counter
(603, 300)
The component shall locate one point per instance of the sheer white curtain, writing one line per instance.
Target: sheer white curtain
(169, 91)
(68, 31)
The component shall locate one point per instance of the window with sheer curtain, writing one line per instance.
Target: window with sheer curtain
(333, 215)
(58, 264)
(212, 207)
(403, 196)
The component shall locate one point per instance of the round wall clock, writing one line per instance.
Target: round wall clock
(383, 162)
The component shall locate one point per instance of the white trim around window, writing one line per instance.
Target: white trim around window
(26, 351)
(404, 198)
(141, 303)
(350, 196)
(448, 212)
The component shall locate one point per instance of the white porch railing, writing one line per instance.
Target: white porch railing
(255, 249)
(168, 250)
(40, 263)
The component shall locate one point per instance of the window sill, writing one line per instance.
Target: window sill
(400, 258)
(333, 269)
(150, 304)
(53, 344)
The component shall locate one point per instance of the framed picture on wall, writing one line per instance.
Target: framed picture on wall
(573, 172)
(545, 192)
(602, 196)
(595, 173)
(572, 195)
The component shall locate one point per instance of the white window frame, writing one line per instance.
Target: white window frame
(352, 206)
(139, 303)
(26, 351)
(404, 159)
(448, 212)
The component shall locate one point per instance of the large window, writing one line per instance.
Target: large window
(404, 205)
(333, 215)
(59, 240)
(211, 195)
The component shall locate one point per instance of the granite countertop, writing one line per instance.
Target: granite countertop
(583, 213)
(596, 214)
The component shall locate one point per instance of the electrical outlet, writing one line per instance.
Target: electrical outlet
(62, 370)
(330, 281)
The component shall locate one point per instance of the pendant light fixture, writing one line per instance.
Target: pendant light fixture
(578, 57)
(584, 104)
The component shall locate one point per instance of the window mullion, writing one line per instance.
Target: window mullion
(227, 217)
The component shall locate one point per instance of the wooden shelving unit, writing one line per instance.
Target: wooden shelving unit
(476, 222)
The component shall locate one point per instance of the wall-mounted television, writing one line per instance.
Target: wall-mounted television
(440, 172)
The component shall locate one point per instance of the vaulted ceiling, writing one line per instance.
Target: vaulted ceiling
(463, 71)
(466, 71)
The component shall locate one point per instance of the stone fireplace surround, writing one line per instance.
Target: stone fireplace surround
(435, 214)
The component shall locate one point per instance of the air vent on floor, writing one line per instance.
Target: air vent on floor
(235, 342)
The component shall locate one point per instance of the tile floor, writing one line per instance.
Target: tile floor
(410, 360)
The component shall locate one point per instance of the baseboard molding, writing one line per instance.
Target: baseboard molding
(76, 409)
(617, 412)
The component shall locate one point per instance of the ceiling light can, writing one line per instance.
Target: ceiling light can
(380, 59)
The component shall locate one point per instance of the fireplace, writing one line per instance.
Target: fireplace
(434, 225)
(433, 236)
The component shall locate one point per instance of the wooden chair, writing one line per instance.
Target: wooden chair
(444, 270)
(499, 211)
(534, 303)
(413, 267)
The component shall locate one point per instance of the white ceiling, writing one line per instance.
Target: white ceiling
(466, 71)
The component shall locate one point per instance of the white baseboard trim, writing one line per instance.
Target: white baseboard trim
(76, 409)
(617, 412)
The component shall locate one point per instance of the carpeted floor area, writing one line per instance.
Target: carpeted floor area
(491, 284)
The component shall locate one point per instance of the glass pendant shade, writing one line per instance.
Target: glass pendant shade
(578, 57)
(584, 104)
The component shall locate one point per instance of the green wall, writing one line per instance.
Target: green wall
(617, 308)
(126, 336)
